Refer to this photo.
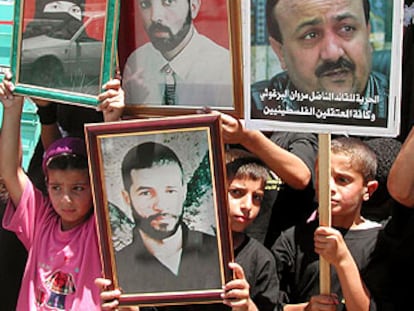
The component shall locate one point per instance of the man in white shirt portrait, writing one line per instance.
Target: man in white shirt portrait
(179, 66)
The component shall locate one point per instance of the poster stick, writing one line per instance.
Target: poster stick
(324, 164)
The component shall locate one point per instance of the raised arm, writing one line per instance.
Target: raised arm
(289, 167)
(10, 168)
(400, 182)
(47, 112)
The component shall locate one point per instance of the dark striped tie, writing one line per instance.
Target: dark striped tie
(169, 92)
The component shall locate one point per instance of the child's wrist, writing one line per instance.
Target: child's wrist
(343, 263)
(249, 138)
(17, 104)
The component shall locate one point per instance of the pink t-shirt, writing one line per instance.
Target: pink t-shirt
(62, 265)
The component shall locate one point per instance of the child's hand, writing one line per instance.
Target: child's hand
(232, 129)
(330, 244)
(110, 298)
(237, 292)
(112, 101)
(322, 303)
(6, 92)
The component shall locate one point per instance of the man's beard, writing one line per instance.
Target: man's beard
(144, 224)
(170, 43)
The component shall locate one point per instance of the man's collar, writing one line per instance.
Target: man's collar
(167, 251)
(172, 54)
(180, 63)
(168, 245)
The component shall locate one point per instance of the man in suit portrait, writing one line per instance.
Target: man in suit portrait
(325, 52)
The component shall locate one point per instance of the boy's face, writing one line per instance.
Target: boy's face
(348, 190)
(71, 196)
(245, 196)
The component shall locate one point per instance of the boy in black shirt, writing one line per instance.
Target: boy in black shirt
(347, 245)
(255, 286)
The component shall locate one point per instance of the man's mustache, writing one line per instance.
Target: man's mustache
(155, 216)
(157, 27)
(328, 66)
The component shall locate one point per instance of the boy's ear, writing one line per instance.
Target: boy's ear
(371, 186)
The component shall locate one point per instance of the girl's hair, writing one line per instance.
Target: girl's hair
(67, 162)
(362, 157)
(65, 154)
(242, 164)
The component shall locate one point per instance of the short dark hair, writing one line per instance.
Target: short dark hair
(243, 164)
(147, 155)
(273, 26)
(363, 158)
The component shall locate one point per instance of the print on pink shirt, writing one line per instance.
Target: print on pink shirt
(60, 285)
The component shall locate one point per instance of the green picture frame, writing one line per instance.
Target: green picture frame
(64, 51)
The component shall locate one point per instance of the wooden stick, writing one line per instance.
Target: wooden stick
(324, 165)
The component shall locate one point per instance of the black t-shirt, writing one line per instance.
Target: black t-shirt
(298, 264)
(72, 118)
(390, 273)
(259, 267)
(283, 206)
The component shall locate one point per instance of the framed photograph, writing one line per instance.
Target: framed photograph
(161, 208)
(179, 57)
(310, 75)
(64, 51)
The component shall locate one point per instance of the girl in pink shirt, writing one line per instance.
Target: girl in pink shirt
(58, 230)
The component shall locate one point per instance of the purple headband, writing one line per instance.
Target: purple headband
(66, 145)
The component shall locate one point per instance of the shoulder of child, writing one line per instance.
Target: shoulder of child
(367, 224)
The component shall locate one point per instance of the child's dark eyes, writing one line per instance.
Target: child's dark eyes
(258, 198)
(79, 188)
(235, 193)
(239, 193)
(343, 180)
(55, 187)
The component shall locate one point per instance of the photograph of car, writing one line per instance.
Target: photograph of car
(61, 53)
